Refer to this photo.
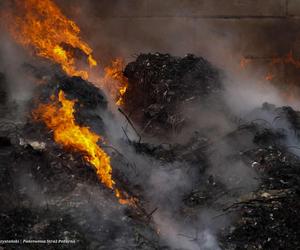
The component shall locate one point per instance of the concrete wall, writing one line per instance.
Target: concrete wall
(222, 30)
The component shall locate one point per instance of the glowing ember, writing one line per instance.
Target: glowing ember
(45, 29)
(244, 62)
(287, 59)
(124, 199)
(59, 117)
(115, 81)
(269, 77)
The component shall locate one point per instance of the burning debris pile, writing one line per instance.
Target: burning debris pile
(159, 84)
(41, 26)
(51, 190)
(89, 99)
(70, 172)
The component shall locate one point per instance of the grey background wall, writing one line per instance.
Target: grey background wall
(221, 30)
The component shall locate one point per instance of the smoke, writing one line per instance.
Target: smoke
(125, 30)
(167, 189)
(182, 237)
(165, 185)
(12, 59)
(19, 82)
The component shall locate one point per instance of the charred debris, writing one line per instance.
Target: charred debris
(49, 192)
(160, 84)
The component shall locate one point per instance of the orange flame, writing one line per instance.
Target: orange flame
(287, 59)
(269, 77)
(115, 80)
(244, 62)
(125, 199)
(59, 117)
(44, 28)
(41, 26)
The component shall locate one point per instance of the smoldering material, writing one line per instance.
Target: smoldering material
(166, 185)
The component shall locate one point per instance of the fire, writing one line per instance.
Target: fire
(115, 80)
(287, 59)
(59, 117)
(125, 199)
(43, 28)
(269, 77)
(244, 62)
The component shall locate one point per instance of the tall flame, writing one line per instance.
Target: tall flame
(43, 27)
(59, 117)
(115, 80)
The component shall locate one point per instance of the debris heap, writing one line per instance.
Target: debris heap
(159, 84)
(48, 192)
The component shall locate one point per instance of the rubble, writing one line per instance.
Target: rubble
(49, 192)
(36, 145)
(263, 218)
(193, 151)
(268, 217)
(159, 84)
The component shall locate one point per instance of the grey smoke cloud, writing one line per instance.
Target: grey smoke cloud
(164, 185)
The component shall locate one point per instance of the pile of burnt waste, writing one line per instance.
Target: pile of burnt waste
(266, 216)
(159, 84)
(50, 192)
